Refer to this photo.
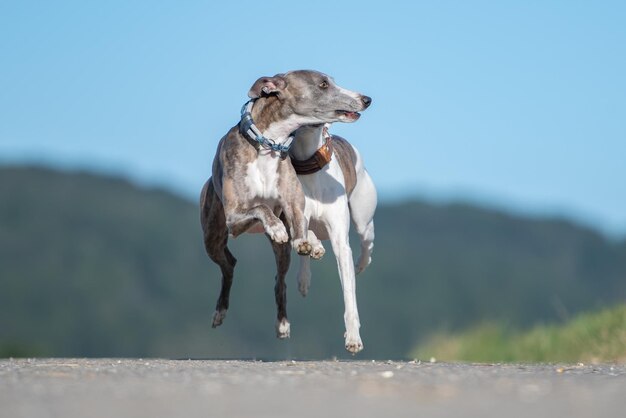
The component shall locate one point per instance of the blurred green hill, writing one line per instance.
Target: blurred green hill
(96, 266)
(596, 337)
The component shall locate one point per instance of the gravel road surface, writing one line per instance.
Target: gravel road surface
(155, 388)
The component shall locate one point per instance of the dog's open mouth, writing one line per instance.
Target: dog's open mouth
(348, 115)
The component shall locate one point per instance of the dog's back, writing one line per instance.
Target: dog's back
(347, 159)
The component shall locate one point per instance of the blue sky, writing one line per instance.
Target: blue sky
(516, 104)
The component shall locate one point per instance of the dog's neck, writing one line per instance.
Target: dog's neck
(307, 140)
(273, 119)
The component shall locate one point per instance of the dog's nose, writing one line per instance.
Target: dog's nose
(366, 101)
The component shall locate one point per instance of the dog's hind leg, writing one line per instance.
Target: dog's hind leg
(282, 253)
(366, 236)
(215, 240)
(362, 206)
(304, 275)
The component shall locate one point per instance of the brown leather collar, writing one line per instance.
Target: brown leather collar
(318, 160)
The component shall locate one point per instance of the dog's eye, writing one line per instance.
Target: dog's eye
(324, 84)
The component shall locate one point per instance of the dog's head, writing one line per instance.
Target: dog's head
(313, 96)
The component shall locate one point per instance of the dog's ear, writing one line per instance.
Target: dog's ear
(265, 86)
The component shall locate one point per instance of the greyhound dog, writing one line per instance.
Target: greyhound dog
(254, 188)
(337, 187)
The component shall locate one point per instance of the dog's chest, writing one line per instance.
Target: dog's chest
(324, 191)
(262, 178)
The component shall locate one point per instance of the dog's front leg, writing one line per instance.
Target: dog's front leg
(239, 221)
(293, 208)
(339, 238)
(299, 227)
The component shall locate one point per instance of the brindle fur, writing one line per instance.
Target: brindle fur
(233, 203)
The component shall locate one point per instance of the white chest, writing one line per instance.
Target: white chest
(262, 178)
(323, 191)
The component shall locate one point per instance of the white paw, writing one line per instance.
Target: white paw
(302, 246)
(277, 233)
(353, 342)
(283, 328)
(218, 318)
(318, 251)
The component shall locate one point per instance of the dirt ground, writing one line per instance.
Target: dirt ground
(205, 388)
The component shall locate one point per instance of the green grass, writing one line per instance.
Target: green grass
(590, 337)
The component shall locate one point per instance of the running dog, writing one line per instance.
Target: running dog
(254, 188)
(337, 188)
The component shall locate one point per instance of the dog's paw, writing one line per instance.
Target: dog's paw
(218, 318)
(283, 328)
(318, 251)
(277, 233)
(353, 342)
(302, 246)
